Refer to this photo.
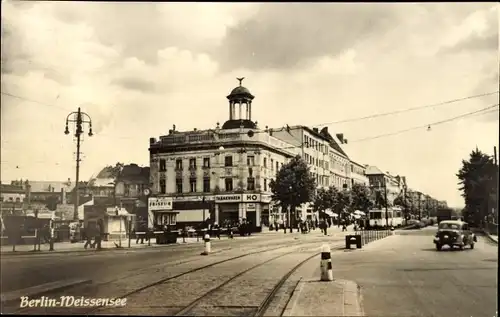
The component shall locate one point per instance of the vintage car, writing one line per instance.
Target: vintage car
(454, 233)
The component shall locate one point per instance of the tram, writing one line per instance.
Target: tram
(378, 217)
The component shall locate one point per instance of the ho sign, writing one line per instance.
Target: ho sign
(251, 197)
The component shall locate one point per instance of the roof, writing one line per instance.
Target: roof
(48, 186)
(11, 189)
(453, 221)
(235, 124)
(240, 92)
(358, 164)
(373, 170)
(333, 141)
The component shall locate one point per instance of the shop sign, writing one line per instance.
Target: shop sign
(251, 206)
(192, 198)
(160, 203)
(251, 198)
(227, 198)
(266, 198)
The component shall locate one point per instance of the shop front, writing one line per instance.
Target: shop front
(194, 211)
(161, 213)
(236, 208)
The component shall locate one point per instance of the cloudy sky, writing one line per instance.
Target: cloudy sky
(139, 68)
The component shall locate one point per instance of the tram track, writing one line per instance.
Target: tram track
(190, 309)
(168, 278)
(248, 310)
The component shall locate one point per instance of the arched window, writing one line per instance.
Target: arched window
(18, 200)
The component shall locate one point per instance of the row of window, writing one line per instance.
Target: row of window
(193, 185)
(11, 199)
(312, 143)
(228, 162)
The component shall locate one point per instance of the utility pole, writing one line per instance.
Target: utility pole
(405, 206)
(79, 120)
(495, 155)
(386, 202)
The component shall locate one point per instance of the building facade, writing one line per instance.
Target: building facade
(358, 175)
(328, 163)
(384, 181)
(221, 174)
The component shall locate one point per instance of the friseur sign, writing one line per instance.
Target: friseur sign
(236, 198)
(160, 203)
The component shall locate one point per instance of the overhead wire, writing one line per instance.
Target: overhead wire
(316, 125)
(408, 109)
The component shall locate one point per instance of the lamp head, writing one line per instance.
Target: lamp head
(90, 132)
(66, 131)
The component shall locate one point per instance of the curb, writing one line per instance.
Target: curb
(350, 299)
(38, 290)
(490, 237)
(91, 251)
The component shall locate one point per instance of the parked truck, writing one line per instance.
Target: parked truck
(444, 214)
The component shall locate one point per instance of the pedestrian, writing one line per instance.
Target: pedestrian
(217, 230)
(230, 231)
(86, 237)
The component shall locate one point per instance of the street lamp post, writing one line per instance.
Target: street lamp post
(79, 119)
(289, 209)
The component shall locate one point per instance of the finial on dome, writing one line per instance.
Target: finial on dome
(240, 79)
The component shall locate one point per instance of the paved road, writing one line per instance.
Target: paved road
(22, 271)
(404, 276)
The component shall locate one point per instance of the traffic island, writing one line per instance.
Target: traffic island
(337, 298)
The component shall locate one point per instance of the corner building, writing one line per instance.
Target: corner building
(221, 173)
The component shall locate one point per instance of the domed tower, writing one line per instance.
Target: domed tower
(242, 98)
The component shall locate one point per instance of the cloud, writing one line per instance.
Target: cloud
(134, 84)
(283, 35)
(477, 33)
(190, 26)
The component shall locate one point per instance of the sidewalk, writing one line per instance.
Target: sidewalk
(338, 297)
(65, 247)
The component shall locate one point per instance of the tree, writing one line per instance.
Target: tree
(341, 202)
(360, 198)
(379, 200)
(52, 202)
(293, 186)
(324, 199)
(478, 178)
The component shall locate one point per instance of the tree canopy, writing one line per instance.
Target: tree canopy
(293, 185)
(478, 179)
(360, 197)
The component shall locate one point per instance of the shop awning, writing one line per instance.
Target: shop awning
(330, 213)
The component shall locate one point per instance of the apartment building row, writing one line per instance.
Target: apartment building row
(223, 173)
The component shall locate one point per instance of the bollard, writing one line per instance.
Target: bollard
(393, 232)
(206, 238)
(326, 263)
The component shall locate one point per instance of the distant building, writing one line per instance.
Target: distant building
(221, 174)
(12, 199)
(382, 181)
(119, 186)
(357, 174)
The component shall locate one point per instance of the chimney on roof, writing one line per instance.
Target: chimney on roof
(340, 136)
(316, 130)
(152, 140)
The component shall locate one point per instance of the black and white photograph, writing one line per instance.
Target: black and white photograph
(249, 159)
